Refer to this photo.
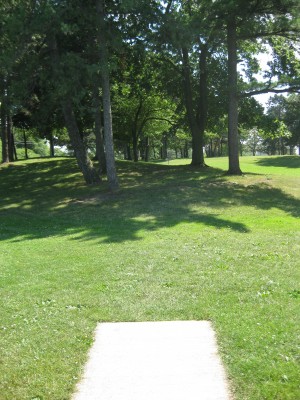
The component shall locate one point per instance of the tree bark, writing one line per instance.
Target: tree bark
(51, 142)
(135, 146)
(164, 148)
(233, 140)
(107, 116)
(25, 145)
(186, 149)
(14, 149)
(197, 140)
(147, 148)
(84, 163)
(100, 153)
(203, 98)
(135, 133)
(10, 137)
(127, 152)
(4, 137)
(89, 173)
(4, 122)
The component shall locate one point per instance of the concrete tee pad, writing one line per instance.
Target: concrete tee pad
(154, 361)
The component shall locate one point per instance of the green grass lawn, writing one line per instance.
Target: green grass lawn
(176, 243)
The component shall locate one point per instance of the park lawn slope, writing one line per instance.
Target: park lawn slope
(176, 243)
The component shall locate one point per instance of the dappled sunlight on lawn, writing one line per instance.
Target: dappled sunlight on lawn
(176, 243)
(153, 198)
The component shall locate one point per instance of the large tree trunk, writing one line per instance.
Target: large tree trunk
(85, 164)
(135, 133)
(11, 143)
(100, 153)
(25, 145)
(4, 122)
(89, 173)
(4, 137)
(147, 149)
(233, 140)
(186, 149)
(135, 149)
(127, 152)
(14, 149)
(51, 143)
(107, 116)
(197, 140)
(164, 148)
(203, 95)
(108, 135)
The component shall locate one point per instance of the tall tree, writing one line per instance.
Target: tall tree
(185, 45)
(248, 20)
(4, 123)
(107, 114)
(65, 98)
(14, 16)
(233, 140)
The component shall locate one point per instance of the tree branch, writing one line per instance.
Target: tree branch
(168, 7)
(292, 34)
(160, 119)
(156, 119)
(292, 89)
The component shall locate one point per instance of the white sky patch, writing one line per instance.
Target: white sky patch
(263, 59)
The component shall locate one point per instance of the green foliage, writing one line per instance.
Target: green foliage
(291, 118)
(145, 40)
(283, 120)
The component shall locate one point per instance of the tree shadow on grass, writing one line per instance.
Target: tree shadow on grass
(280, 161)
(44, 199)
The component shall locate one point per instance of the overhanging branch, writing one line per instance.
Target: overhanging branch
(290, 34)
(293, 89)
(156, 119)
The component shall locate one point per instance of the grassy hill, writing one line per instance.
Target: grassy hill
(175, 244)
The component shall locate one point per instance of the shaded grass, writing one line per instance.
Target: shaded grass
(176, 243)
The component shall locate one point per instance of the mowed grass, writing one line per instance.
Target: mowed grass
(176, 243)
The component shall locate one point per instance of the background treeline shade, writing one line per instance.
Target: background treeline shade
(139, 79)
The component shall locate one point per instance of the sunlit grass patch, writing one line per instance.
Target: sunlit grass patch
(176, 243)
